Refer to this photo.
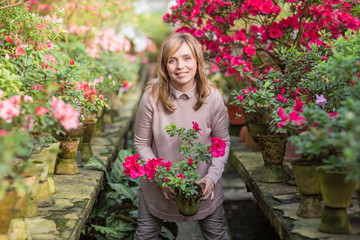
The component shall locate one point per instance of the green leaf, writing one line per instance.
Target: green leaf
(122, 189)
(104, 230)
(97, 163)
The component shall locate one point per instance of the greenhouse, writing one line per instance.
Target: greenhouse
(180, 119)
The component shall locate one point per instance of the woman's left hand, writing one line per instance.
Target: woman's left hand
(209, 188)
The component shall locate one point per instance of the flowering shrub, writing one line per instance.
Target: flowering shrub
(179, 175)
(245, 33)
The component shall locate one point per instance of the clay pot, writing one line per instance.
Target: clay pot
(69, 148)
(66, 166)
(273, 148)
(89, 129)
(188, 206)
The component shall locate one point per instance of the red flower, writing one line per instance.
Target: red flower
(196, 127)
(150, 167)
(8, 39)
(41, 110)
(166, 164)
(218, 147)
(132, 167)
(190, 162)
(72, 62)
(181, 176)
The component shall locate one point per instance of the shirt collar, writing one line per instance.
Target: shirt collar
(177, 94)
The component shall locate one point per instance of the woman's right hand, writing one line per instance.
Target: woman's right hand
(168, 193)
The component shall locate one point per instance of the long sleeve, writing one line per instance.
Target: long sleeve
(219, 129)
(143, 129)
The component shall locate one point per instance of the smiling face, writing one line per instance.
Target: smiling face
(182, 68)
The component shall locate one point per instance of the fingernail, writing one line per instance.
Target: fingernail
(204, 199)
(174, 199)
(203, 195)
(212, 199)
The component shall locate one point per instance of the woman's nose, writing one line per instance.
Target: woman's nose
(180, 64)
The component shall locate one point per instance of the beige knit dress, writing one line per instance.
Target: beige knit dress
(151, 140)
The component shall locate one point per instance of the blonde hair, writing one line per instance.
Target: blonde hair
(160, 87)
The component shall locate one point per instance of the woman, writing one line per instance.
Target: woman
(181, 94)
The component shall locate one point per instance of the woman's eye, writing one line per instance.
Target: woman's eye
(171, 61)
(188, 58)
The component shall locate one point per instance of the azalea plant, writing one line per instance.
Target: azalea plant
(181, 175)
(245, 33)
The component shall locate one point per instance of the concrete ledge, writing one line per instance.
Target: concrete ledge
(279, 201)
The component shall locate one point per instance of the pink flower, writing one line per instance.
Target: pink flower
(72, 62)
(240, 97)
(132, 167)
(323, 58)
(19, 51)
(275, 31)
(294, 117)
(28, 98)
(1, 93)
(41, 110)
(196, 127)
(333, 114)
(181, 176)
(190, 162)
(198, 33)
(3, 132)
(150, 167)
(166, 164)
(50, 45)
(298, 106)
(65, 113)
(279, 98)
(249, 50)
(101, 96)
(218, 147)
(50, 58)
(282, 114)
(166, 179)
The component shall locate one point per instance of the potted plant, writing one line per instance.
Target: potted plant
(180, 177)
(14, 153)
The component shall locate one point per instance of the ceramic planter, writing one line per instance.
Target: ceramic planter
(89, 129)
(69, 148)
(86, 152)
(77, 133)
(188, 206)
(305, 173)
(273, 149)
(336, 193)
(258, 129)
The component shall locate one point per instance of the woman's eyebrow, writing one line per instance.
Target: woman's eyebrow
(184, 55)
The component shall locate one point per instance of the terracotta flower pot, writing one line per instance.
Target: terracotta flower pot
(273, 150)
(232, 111)
(77, 133)
(188, 206)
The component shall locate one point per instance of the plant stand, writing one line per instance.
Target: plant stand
(86, 152)
(310, 206)
(67, 166)
(273, 173)
(335, 220)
